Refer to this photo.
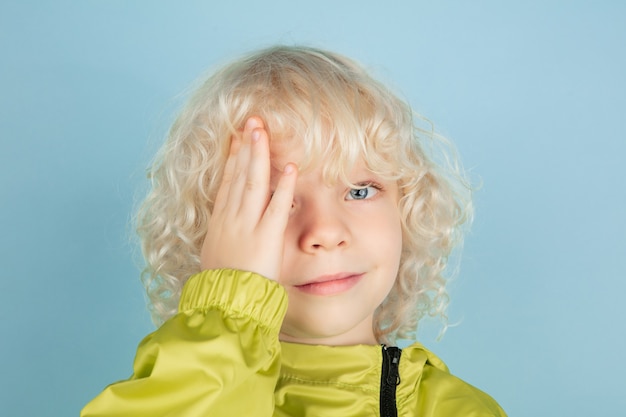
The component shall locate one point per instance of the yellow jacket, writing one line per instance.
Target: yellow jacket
(220, 356)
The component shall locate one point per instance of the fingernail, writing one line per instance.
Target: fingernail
(251, 123)
(289, 169)
(255, 135)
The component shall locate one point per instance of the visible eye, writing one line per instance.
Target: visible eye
(363, 192)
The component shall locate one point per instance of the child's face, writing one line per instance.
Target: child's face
(341, 255)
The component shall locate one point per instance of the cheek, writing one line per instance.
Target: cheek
(394, 239)
(291, 236)
(392, 224)
(290, 250)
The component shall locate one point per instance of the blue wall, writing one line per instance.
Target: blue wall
(532, 92)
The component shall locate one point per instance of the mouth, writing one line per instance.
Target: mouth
(330, 284)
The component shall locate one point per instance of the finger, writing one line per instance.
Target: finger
(240, 175)
(276, 215)
(257, 186)
(227, 176)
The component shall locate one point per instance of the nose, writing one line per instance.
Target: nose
(322, 227)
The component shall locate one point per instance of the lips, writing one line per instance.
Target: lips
(330, 284)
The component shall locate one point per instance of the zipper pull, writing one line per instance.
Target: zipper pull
(390, 378)
(393, 377)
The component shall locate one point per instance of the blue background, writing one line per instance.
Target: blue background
(532, 92)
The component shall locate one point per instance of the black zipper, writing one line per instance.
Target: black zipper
(390, 379)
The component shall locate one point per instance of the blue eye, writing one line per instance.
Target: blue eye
(362, 193)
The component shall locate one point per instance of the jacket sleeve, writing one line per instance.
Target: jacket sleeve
(219, 356)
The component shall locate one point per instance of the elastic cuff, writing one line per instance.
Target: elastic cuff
(237, 293)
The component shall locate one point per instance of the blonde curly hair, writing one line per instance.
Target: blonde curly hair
(340, 114)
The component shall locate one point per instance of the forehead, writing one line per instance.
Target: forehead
(286, 149)
(328, 170)
(337, 155)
